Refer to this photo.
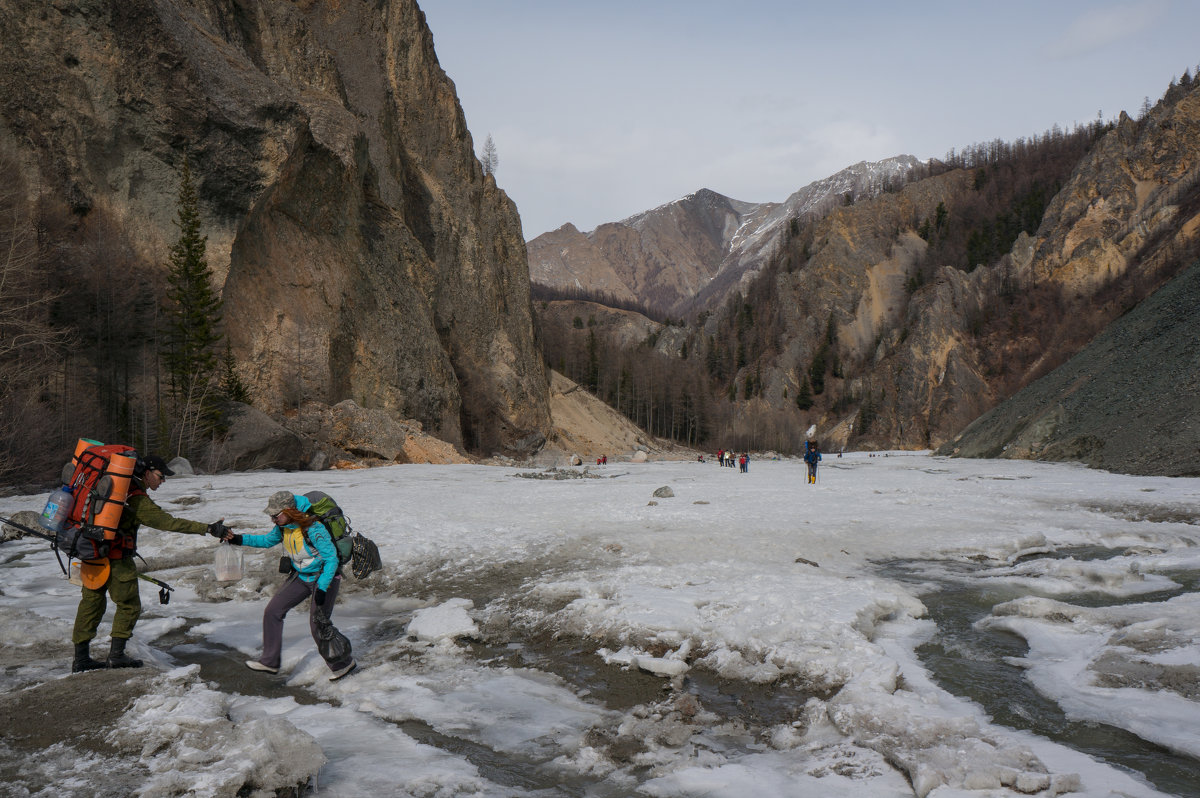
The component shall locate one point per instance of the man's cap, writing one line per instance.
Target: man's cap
(279, 501)
(153, 462)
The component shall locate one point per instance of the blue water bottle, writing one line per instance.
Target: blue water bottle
(57, 508)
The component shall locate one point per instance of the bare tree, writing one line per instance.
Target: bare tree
(489, 156)
(29, 345)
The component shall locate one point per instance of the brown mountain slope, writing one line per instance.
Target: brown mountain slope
(663, 257)
(690, 254)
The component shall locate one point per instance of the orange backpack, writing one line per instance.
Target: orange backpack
(98, 479)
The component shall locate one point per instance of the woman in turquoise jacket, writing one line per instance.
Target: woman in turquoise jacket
(314, 573)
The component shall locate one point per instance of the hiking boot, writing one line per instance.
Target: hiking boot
(83, 659)
(255, 665)
(343, 672)
(117, 658)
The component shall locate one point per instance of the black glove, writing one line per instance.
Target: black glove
(319, 597)
(234, 540)
(218, 529)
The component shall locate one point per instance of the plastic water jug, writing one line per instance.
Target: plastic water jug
(57, 508)
(228, 563)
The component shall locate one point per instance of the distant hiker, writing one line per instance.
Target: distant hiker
(604, 459)
(312, 569)
(812, 456)
(744, 463)
(121, 581)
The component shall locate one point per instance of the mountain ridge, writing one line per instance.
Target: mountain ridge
(711, 242)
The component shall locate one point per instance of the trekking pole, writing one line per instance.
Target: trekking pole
(164, 590)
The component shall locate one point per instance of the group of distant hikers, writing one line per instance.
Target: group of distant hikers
(812, 456)
(106, 550)
(729, 460)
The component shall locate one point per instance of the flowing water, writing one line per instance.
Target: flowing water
(754, 708)
(973, 662)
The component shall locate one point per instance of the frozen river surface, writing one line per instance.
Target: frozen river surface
(748, 635)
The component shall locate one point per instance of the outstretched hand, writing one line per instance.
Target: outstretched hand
(218, 530)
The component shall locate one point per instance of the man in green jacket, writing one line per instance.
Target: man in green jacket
(122, 582)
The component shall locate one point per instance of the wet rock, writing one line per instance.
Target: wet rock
(26, 518)
(182, 467)
(558, 474)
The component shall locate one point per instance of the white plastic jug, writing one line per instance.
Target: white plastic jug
(228, 563)
(57, 508)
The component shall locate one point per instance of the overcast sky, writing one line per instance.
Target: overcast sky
(600, 110)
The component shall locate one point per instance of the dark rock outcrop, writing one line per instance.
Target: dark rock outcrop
(1127, 402)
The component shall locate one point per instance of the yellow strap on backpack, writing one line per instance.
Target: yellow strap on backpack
(94, 573)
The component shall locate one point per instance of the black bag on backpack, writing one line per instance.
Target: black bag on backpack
(364, 557)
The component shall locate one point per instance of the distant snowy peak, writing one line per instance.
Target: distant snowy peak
(698, 247)
(863, 179)
(703, 201)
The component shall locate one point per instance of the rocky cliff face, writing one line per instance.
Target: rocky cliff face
(911, 353)
(364, 254)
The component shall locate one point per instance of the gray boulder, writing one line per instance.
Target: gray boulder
(255, 441)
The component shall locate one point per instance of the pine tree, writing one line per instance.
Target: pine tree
(193, 313)
(804, 399)
(232, 386)
(593, 363)
(489, 157)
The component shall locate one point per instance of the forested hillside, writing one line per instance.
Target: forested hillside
(897, 318)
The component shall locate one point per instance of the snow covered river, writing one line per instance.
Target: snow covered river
(907, 626)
